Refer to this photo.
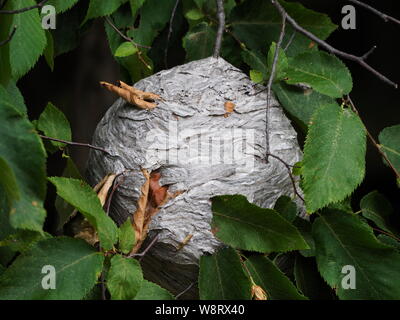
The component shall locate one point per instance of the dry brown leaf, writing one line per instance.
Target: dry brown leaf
(141, 99)
(103, 192)
(258, 293)
(84, 230)
(229, 107)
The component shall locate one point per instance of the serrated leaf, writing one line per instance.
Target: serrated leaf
(23, 240)
(389, 241)
(125, 49)
(54, 124)
(24, 154)
(305, 229)
(13, 96)
(77, 267)
(222, 277)
(199, 42)
(9, 182)
(300, 103)
(246, 226)
(390, 143)
(322, 71)
(29, 39)
(85, 200)
(272, 280)
(282, 62)
(101, 8)
(126, 236)
(62, 5)
(378, 209)
(124, 278)
(342, 239)
(152, 291)
(257, 23)
(334, 156)
(135, 6)
(286, 208)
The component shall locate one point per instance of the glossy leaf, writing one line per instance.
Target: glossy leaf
(390, 142)
(222, 277)
(85, 200)
(152, 291)
(245, 226)
(125, 49)
(126, 236)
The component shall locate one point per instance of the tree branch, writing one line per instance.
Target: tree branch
(39, 5)
(221, 27)
(171, 20)
(2, 43)
(329, 48)
(384, 16)
(75, 144)
(373, 141)
(272, 75)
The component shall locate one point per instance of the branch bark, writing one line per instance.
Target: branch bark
(221, 27)
(360, 60)
(384, 16)
(36, 6)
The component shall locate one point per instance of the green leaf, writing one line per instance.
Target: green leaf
(194, 14)
(101, 8)
(286, 208)
(152, 291)
(49, 51)
(85, 200)
(135, 6)
(21, 149)
(389, 241)
(13, 96)
(23, 240)
(309, 281)
(378, 209)
(199, 42)
(124, 278)
(390, 143)
(9, 182)
(154, 15)
(54, 124)
(273, 281)
(334, 156)
(125, 49)
(282, 63)
(62, 5)
(256, 61)
(322, 71)
(305, 229)
(246, 226)
(257, 23)
(343, 239)
(256, 76)
(64, 209)
(222, 277)
(126, 236)
(77, 267)
(29, 40)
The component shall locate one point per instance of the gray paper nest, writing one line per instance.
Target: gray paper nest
(198, 150)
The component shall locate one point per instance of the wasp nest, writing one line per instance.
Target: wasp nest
(206, 136)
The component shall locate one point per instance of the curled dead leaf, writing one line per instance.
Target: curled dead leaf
(84, 230)
(229, 107)
(103, 192)
(258, 293)
(141, 99)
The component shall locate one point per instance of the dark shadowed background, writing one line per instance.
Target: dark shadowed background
(74, 84)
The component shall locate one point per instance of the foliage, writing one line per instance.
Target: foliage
(308, 83)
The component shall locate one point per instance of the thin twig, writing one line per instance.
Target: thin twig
(2, 43)
(290, 40)
(271, 77)
(76, 144)
(221, 27)
(115, 187)
(290, 175)
(386, 233)
(384, 16)
(373, 141)
(143, 253)
(171, 20)
(112, 25)
(39, 5)
(360, 60)
(186, 290)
